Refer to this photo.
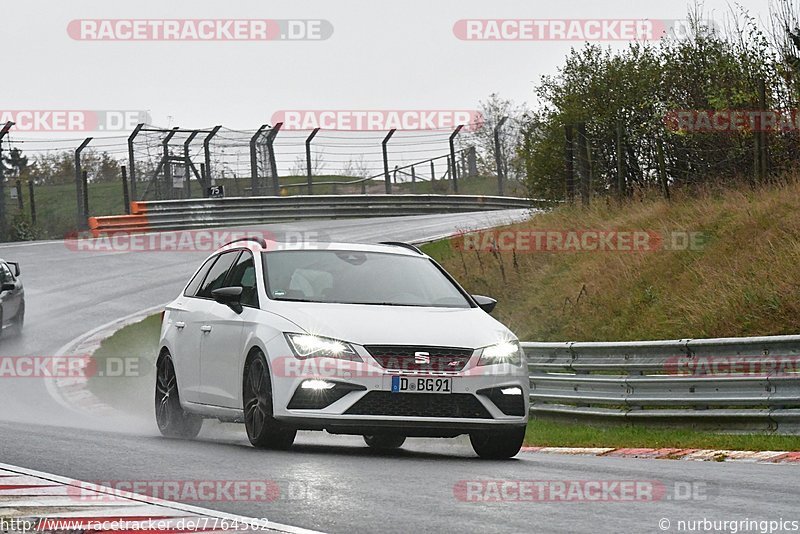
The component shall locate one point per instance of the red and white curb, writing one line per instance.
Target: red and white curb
(32, 501)
(701, 455)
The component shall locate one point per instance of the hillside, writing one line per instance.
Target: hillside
(741, 277)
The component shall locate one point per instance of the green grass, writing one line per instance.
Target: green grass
(743, 281)
(137, 343)
(547, 433)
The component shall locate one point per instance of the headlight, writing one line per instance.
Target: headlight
(505, 352)
(307, 346)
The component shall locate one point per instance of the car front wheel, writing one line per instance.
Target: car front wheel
(263, 430)
(497, 444)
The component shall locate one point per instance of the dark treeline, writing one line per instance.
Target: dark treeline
(623, 98)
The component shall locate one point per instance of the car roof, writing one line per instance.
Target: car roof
(278, 246)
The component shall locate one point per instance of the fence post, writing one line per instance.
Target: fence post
(187, 162)
(255, 185)
(126, 199)
(85, 178)
(3, 133)
(168, 164)
(433, 171)
(453, 163)
(308, 160)
(763, 145)
(203, 178)
(132, 158)
(80, 195)
(662, 168)
(207, 157)
(18, 186)
(498, 157)
(386, 177)
(273, 133)
(621, 187)
(472, 162)
(583, 164)
(569, 162)
(413, 180)
(33, 200)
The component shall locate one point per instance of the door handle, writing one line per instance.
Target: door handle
(205, 328)
(180, 325)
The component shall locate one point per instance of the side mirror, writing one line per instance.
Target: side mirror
(14, 266)
(487, 304)
(230, 296)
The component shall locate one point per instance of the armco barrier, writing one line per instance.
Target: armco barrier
(239, 211)
(726, 383)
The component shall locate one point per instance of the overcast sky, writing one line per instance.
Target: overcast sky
(382, 55)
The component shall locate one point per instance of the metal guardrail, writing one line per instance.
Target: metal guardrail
(240, 211)
(726, 383)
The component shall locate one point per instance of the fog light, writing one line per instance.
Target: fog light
(512, 391)
(317, 384)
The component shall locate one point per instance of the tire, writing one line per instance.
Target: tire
(172, 420)
(497, 444)
(385, 442)
(263, 430)
(18, 321)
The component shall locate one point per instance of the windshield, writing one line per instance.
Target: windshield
(347, 277)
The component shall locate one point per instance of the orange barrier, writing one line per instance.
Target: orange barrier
(115, 224)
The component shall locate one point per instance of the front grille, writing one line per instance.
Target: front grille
(455, 405)
(508, 404)
(407, 358)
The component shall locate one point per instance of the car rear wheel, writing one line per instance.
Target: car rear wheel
(18, 321)
(263, 430)
(385, 441)
(497, 444)
(172, 420)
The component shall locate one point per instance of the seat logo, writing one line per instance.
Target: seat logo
(422, 357)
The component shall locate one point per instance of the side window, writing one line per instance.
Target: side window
(6, 277)
(194, 285)
(216, 276)
(243, 274)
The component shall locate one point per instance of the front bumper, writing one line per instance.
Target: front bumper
(361, 399)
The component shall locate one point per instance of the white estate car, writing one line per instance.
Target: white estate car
(372, 340)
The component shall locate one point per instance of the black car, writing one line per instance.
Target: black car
(12, 297)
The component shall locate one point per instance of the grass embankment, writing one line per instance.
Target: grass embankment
(135, 348)
(743, 280)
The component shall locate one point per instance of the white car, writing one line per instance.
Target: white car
(372, 340)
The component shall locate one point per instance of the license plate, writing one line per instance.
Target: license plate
(422, 384)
